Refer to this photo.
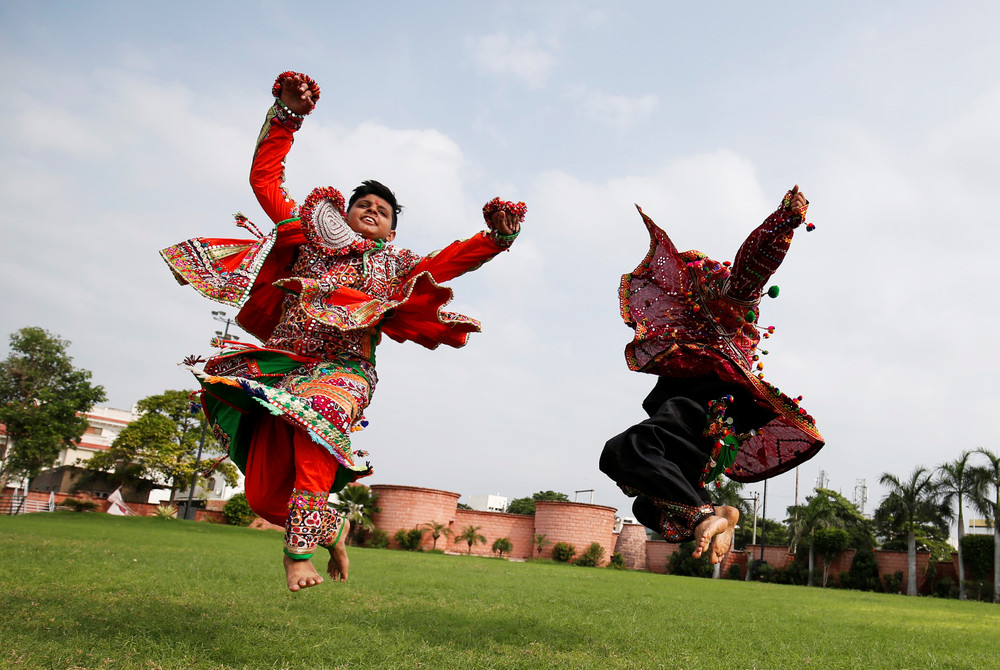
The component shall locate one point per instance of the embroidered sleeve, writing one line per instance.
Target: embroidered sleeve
(458, 258)
(762, 253)
(267, 173)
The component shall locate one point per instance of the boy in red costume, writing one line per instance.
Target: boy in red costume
(320, 291)
(711, 412)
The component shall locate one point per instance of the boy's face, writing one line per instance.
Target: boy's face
(371, 217)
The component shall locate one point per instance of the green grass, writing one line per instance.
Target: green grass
(96, 591)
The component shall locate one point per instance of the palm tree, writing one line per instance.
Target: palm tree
(539, 542)
(956, 483)
(914, 501)
(357, 503)
(818, 512)
(502, 545)
(470, 535)
(989, 478)
(437, 530)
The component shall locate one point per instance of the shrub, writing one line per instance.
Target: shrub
(893, 583)
(80, 505)
(617, 562)
(863, 573)
(762, 571)
(502, 545)
(562, 551)
(409, 539)
(977, 553)
(591, 557)
(379, 539)
(166, 512)
(237, 511)
(946, 588)
(734, 572)
(682, 563)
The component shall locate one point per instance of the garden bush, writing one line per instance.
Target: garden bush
(237, 511)
(562, 551)
(591, 557)
(409, 539)
(379, 539)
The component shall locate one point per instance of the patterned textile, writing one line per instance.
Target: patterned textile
(325, 399)
(309, 524)
(688, 323)
(677, 521)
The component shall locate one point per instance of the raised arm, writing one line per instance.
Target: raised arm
(295, 96)
(765, 248)
(504, 221)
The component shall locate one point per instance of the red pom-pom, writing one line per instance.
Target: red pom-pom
(513, 210)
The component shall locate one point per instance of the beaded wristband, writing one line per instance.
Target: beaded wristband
(285, 116)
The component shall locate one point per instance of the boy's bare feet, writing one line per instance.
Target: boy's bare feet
(715, 533)
(339, 563)
(300, 574)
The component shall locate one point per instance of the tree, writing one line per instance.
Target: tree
(989, 478)
(818, 512)
(829, 542)
(437, 530)
(956, 483)
(470, 535)
(910, 503)
(502, 545)
(357, 503)
(539, 542)
(41, 394)
(527, 505)
(161, 445)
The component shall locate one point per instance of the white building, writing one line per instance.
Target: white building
(488, 503)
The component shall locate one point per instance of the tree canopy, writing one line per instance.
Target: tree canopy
(41, 393)
(527, 505)
(162, 445)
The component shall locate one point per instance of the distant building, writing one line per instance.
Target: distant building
(488, 503)
(980, 526)
(105, 424)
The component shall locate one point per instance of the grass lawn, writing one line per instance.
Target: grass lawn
(96, 591)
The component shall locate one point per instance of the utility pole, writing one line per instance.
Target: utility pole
(221, 317)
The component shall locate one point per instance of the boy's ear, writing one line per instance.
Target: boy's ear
(391, 236)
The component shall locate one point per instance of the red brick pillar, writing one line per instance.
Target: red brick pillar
(631, 545)
(409, 507)
(578, 524)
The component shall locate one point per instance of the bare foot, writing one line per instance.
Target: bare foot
(300, 574)
(339, 563)
(722, 542)
(706, 531)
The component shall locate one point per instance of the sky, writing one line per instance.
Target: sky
(130, 127)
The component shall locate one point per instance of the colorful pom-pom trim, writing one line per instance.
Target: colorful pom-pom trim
(306, 79)
(515, 210)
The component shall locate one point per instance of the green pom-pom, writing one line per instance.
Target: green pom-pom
(750, 316)
(773, 291)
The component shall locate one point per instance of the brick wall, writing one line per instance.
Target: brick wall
(518, 528)
(410, 506)
(578, 524)
(891, 561)
(658, 553)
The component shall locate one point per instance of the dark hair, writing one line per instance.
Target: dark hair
(372, 187)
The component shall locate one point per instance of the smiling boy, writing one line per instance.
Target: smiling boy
(320, 291)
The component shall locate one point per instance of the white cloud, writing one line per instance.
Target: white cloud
(621, 112)
(519, 57)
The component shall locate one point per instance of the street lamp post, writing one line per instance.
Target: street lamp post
(218, 316)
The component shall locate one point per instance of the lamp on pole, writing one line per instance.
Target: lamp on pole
(218, 316)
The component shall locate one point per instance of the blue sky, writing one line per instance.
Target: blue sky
(129, 127)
